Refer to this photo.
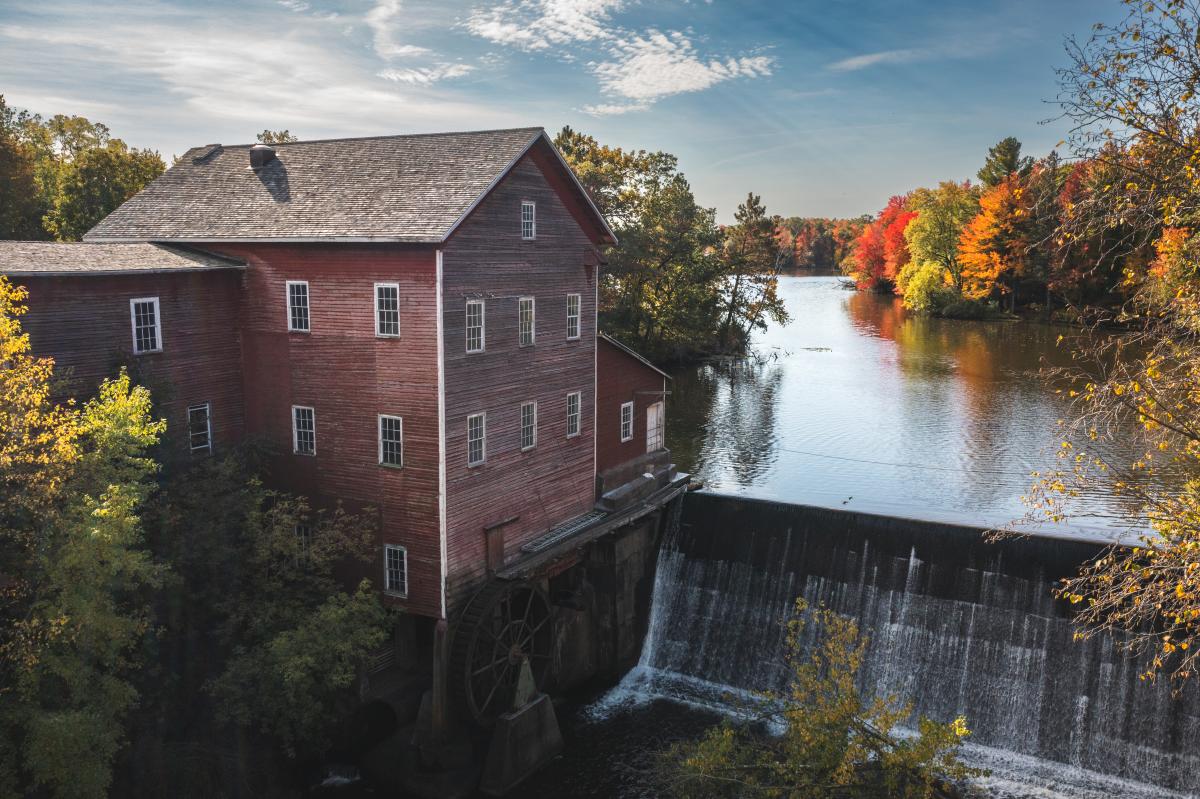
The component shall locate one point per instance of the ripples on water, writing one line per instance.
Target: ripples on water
(859, 404)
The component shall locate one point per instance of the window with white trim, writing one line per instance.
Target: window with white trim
(528, 220)
(574, 402)
(297, 305)
(200, 427)
(304, 430)
(147, 327)
(391, 440)
(528, 425)
(476, 439)
(395, 569)
(626, 421)
(475, 333)
(525, 320)
(572, 316)
(387, 309)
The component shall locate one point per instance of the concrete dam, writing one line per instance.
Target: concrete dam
(956, 626)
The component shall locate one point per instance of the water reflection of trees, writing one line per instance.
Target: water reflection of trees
(722, 420)
(979, 379)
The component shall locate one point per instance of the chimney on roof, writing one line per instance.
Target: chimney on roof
(261, 155)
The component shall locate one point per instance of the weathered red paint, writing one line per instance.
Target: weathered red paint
(622, 378)
(84, 324)
(486, 257)
(226, 342)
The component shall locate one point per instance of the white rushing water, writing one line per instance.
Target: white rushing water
(1048, 715)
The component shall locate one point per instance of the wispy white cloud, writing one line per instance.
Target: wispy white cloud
(425, 76)
(297, 80)
(866, 60)
(383, 19)
(647, 67)
(613, 109)
(541, 24)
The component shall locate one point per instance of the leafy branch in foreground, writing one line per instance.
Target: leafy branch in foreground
(834, 743)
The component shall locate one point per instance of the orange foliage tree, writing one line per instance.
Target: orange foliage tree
(993, 247)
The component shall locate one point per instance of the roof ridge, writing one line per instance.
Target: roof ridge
(530, 129)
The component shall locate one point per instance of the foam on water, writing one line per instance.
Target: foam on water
(1048, 715)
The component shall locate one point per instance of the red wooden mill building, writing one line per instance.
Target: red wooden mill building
(411, 320)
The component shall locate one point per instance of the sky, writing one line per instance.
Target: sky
(822, 108)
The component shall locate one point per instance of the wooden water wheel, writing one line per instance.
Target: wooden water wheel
(505, 623)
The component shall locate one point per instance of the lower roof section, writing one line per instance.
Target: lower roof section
(67, 258)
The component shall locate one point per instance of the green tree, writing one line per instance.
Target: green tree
(659, 291)
(74, 484)
(834, 742)
(259, 598)
(751, 258)
(1004, 159)
(94, 182)
(933, 236)
(276, 137)
(21, 208)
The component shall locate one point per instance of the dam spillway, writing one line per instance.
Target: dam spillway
(956, 626)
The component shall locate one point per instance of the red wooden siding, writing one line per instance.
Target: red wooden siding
(83, 323)
(487, 258)
(350, 376)
(622, 378)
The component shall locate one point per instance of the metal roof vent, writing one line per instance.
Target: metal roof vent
(261, 155)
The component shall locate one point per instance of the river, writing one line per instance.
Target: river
(858, 404)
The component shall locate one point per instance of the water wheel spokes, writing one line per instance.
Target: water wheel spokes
(505, 624)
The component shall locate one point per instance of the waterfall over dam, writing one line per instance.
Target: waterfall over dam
(956, 626)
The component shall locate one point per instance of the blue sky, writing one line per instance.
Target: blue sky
(823, 108)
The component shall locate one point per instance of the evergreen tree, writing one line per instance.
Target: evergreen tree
(1004, 159)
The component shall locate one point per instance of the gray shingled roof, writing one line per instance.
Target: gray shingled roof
(49, 258)
(389, 188)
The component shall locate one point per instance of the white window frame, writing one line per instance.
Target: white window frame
(287, 290)
(379, 430)
(482, 417)
(482, 325)
(133, 304)
(531, 206)
(296, 430)
(626, 421)
(532, 405)
(578, 416)
(576, 317)
(521, 321)
(208, 445)
(387, 572)
(378, 322)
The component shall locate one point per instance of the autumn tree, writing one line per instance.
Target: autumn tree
(868, 263)
(933, 235)
(834, 742)
(1131, 97)
(1004, 160)
(993, 248)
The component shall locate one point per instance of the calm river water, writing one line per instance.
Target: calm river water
(859, 404)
